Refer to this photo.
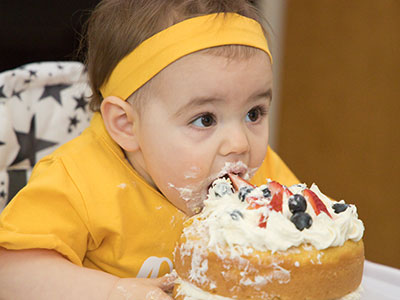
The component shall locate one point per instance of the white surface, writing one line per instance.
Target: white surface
(380, 282)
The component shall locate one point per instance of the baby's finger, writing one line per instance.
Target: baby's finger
(157, 294)
(166, 283)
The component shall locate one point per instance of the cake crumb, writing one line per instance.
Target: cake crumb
(127, 295)
(319, 258)
(122, 186)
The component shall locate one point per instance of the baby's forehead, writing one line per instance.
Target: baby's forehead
(223, 59)
(227, 55)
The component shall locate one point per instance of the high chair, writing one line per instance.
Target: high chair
(42, 105)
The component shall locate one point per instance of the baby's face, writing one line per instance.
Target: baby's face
(207, 116)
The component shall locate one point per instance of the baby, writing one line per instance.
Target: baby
(181, 94)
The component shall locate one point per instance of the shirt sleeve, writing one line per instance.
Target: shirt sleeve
(48, 213)
(274, 168)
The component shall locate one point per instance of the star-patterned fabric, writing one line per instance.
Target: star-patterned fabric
(42, 105)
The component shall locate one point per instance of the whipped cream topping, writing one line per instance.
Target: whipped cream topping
(236, 223)
(228, 221)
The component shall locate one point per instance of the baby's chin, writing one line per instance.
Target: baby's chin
(195, 205)
(188, 197)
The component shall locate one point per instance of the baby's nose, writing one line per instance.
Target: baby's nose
(234, 141)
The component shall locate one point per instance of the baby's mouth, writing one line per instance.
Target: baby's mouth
(238, 168)
(225, 176)
(194, 195)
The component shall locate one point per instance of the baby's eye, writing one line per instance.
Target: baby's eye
(205, 120)
(255, 114)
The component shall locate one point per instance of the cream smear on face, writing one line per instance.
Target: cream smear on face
(238, 167)
(193, 172)
(192, 198)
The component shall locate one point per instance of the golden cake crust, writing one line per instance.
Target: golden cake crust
(298, 273)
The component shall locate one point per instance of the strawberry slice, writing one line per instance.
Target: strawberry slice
(262, 223)
(315, 202)
(253, 204)
(239, 182)
(276, 201)
(277, 192)
(275, 187)
(287, 192)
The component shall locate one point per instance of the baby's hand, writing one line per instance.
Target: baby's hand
(143, 288)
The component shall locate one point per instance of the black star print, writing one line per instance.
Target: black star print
(27, 81)
(81, 102)
(32, 73)
(3, 195)
(17, 94)
(54, 91)
(17, 180)
(30, 145)
(1, 92)
(73, 122)
(2, 143)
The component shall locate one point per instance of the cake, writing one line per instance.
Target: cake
(270, 242)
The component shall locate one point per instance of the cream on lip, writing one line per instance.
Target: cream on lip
(237, 167)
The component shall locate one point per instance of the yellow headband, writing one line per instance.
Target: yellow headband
(183, 38)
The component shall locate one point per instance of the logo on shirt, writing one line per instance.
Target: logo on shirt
(151, 267)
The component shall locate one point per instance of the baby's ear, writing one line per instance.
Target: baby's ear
(119, 118)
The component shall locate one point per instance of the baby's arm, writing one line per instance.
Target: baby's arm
(45, 274)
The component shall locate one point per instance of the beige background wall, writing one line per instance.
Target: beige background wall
(275, 12)
(339, 121)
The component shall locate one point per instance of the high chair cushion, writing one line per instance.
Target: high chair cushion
(42, 105)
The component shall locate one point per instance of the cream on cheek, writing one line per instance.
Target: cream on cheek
(192, 173)
(189, 196)
(189, 185)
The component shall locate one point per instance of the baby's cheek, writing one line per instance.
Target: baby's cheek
(256, 161)
(261, 152)
(192, 172)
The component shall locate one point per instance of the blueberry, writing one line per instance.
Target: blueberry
(297, 203)
(222, 189)
(236, 214)
(301, 220)
(244, 191)
(266, 192)
(340, 207)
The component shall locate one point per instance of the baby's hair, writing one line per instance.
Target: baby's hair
(117, 27)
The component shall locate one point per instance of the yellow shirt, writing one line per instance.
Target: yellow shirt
(87, 202)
